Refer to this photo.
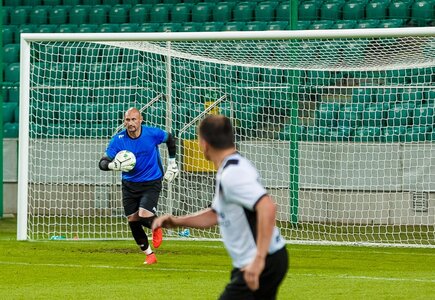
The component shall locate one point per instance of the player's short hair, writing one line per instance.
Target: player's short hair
(217, 131)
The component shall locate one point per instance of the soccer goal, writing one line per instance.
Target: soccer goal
(340, 124)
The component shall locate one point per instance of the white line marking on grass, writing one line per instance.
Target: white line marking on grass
(368, 277)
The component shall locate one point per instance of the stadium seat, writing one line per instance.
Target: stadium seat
(367, 24)
(265, 11)
(399, 10)
(181, 13)
(392, 23)
(58, 15)
(190, 27)
(98, 14)
(349, 115)
(170, 27)
(77, 2)
(53, 2)
(422, 12)
(148, 27)
(47, 28)
(400, 114)
(12, 72)
(331, 10)
(14, 94)
(212, 26)
(10, 130)
(278, 25)
(233, 26)
(363, 95)
(321, 24)
(326, 114)
(283, 11)
(202, 12)
(9, 111)
(160, 13)
(5, 15)
(11, 53)
(31, 2)
(374, 114)
(19, 15)
(88, 28)
(243, 12)
(367, 134)
(38, 15)
(424, 115)
(255, 26)
(222, 12)
(344, 24)
(353, 10)
(128, 27)
(308, 11)
(376, 10)
(393, 134)
(68, 28)
(140, 13)
(79, 14)
(118, 14)
(301, 25)
(8, 34)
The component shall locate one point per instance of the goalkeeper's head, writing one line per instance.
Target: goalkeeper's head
(132, 122)
(216, 135)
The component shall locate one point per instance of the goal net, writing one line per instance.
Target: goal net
(339, 123)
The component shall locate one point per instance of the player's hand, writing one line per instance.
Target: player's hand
(252, 272)
(119, 163)
(166, 221)
(172, 170)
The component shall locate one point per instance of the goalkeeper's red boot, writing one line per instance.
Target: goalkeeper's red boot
(157, 237)
(150, 259)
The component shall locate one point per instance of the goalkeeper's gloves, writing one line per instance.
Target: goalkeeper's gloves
(172, 170)
(118, 164)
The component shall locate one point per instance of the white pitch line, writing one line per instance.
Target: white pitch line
(217, 271)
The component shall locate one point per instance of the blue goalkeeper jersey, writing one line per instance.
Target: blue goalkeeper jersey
(148, 161)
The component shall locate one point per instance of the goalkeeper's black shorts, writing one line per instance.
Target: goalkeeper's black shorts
(273, 274)
(140, 194)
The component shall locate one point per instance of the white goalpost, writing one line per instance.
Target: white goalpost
(340, 124)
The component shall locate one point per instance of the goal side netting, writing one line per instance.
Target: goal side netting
(339, 123)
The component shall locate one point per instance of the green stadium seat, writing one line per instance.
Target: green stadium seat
(279, 25)
(392, 23)
(367, 134)
(321, 24)
(11, 53)
(399, 10)
(374, 115)
(190, 27)
(118, 14)
(265, 11)
(376, 10)
(8, 34)
(172, 2)
(79, 14)
(422, 12)
(53, 2)
(331, 10)
(412, 95)
(193, 1)
(85, 28)
(47, 28)
(68, 28)
(363, 95)
(247, 115)
(76, 2)
(212, 26)
(326, 114)
(128, 27)
(400, 114)
(19, 15)
(31, 2)
(98, 14)
(181, 13)
(353, 10)
(5, 15)
(302, 25)
(393, 134)
(367, 24)
(308, 11)
(222, 12)
(108, 27)
(416, 134)
(160, 13)
(243, 12)
(9, 111)
(14, 94)
(344, 24)
(38, 15)
(283, 11)
(202, 12)
(349, 115)
(233, 26)
(140, 13)
(170, 27)
(58, 15)
(255, 26)
(11, 3)
(424, 115)
(148, 27)
(10, 130)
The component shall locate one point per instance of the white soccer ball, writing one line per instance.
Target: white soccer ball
(125, 159)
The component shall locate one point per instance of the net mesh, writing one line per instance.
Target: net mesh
(341, 130)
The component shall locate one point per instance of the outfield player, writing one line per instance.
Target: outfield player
(142, 184)
(245, 214)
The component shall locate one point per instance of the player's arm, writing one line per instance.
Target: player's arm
(266, 212)
(203, 219)
(104, 163)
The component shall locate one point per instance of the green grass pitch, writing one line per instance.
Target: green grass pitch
(200, 270)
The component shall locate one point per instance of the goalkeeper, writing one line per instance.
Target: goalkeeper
(142, 180)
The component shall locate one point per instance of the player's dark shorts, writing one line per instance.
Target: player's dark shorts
(140, 194)
(272, 276)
